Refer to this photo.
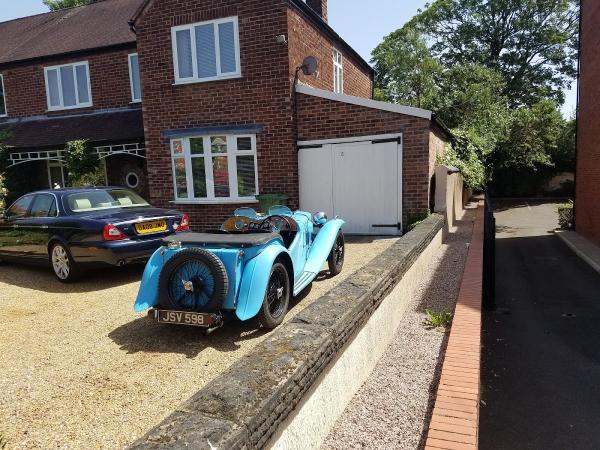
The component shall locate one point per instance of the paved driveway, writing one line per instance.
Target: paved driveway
(79, 369)
(541, 362)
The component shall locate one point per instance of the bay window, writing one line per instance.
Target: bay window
(216, 168)
(206, 51)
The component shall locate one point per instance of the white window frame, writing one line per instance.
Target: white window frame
(191, 27)
(133, 99)
(3, 96)
(232, 154)
(60, 92)
(338, 71)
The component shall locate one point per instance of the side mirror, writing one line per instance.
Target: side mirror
(320, 218)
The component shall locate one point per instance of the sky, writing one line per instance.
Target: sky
(362, 27)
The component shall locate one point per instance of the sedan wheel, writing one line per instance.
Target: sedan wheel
(63, 264)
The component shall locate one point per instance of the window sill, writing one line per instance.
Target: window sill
(68, 108)
(224, 201)
(208, 80)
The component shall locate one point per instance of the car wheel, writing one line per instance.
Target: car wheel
(336, 257)
(65, 268)
(277, 298)
(193, 280)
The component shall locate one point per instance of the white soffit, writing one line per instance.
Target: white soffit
(367, 103)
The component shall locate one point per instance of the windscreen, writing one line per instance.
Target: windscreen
(98, 200)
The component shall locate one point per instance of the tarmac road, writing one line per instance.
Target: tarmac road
(541, 360)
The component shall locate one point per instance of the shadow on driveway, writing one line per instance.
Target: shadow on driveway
(541, 359)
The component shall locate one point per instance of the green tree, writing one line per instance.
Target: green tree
(531, 43)
(82, 164)
(54, 5)
(406, 72)
(533, 138)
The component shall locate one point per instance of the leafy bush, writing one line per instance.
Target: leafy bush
(82, 164)
(565, 215)
(465, 157)
(414, 219)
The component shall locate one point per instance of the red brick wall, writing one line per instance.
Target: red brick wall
(587, 202)
(25, 86)
(261, 96)
(306, 40)
(326, 119)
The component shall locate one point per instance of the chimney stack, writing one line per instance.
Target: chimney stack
(319, 6)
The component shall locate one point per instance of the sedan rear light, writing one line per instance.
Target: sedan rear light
(184, 225)
(112, 233)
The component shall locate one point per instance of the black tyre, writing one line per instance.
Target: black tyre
(64, 266)
(336, 257)
(277, 298)
(193, 280)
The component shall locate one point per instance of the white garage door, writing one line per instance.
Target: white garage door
(359, 180)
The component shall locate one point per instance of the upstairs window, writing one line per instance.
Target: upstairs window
(2, 97)
(338, 72)
(206, 51)
(68, 86)
(134, 78)
(215, 168)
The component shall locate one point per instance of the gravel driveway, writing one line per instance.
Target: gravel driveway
(80, 369)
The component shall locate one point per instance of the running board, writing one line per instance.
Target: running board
(304, 280)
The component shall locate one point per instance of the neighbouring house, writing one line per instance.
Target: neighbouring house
(587, 182)
(227, 112)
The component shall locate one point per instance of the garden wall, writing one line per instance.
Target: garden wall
(281, 394)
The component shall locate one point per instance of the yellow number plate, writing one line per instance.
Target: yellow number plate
(151, 227)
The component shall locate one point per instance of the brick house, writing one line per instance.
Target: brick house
(228, 113)
(587, 195)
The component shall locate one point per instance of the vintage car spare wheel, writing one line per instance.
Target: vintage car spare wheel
(193, 280)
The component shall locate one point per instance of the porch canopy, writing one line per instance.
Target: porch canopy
(52, 132)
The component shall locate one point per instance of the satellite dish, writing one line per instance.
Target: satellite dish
(310, 65)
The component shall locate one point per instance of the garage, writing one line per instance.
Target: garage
(358, 179)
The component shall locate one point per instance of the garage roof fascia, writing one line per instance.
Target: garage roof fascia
(367, 103)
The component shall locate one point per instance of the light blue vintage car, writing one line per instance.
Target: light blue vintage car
(249, 268)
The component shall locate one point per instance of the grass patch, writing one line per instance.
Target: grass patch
(438, 319)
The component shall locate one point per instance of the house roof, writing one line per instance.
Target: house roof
(98, 25)
(125, 125)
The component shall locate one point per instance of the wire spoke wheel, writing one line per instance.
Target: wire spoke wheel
(193, 280)
(277, 297)
(337, 255)
(276, 292)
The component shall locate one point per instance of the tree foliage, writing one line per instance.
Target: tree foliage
(531, 43)
(54, 5)
(82, 164)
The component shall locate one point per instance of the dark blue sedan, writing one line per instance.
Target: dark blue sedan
(81, 227)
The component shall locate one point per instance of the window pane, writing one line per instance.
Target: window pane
(53, 91)
(67, 82)
(199, 174)
(246, 176)
(42, 205)
(197, 146)
(82, 84)
(227, 47)
(135, 77)
(244, 143)
(218, 144)
(184, 53)
(178, 147)
(180, 178)
(20, 207)
(205, 51)
(221, 176)
(2, 101)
